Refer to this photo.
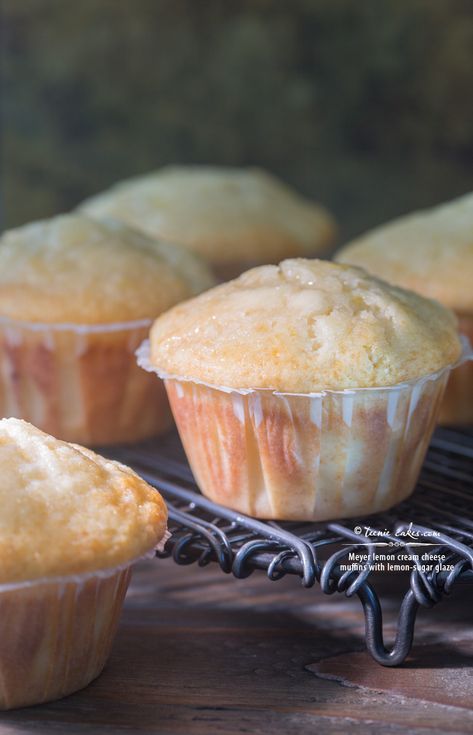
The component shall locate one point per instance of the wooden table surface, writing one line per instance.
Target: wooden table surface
(199, 652)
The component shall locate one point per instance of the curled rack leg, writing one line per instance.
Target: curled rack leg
(374, 627)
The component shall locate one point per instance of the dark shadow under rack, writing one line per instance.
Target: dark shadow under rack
(205, 532)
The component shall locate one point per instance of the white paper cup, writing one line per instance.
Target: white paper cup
(55, 635)
(80, 383)
(318, 456)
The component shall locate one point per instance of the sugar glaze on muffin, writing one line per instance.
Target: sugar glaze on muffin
(305, 326)
(75, 269)
(67, 510)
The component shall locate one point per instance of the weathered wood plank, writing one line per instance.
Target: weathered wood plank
(200, 653)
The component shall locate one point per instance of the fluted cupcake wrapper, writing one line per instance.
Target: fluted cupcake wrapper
(327, 455)
(55, 635)
(56, 632)
(80, 382)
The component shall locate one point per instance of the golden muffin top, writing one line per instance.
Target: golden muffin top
(66, 510)
(75, 269)
(225, 214)
(304, 326)
(430, 252)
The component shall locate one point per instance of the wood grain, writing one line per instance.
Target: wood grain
(200, 653)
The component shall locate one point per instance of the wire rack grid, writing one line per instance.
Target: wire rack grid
(436, 521)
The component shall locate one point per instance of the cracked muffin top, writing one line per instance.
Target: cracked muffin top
(75, 269)
(430, 252)
(66, 510)
(304, 326)
(225, 214)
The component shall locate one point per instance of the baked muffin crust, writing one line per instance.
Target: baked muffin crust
(305, 326)
(430, 252)
(75, 269)
(224, 214)
(66, 510)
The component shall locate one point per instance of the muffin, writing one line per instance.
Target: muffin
(71, 525)
(430, 252)
(235, 218)
(77, 296)
(305, 391)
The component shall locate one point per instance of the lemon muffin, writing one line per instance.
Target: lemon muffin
(71, 525)
(430, 252)
(77, 297)
(236, 218)
(307, 390)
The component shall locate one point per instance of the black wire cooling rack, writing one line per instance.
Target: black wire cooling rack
(437, 520)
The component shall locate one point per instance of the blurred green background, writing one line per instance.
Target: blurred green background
(367, 106)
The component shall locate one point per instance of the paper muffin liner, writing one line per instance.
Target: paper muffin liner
(56, 633)
(55, 636)
(317, 456)
(457, 405)
(80, 383)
